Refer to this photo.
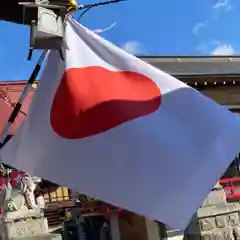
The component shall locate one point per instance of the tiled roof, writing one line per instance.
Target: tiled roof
(190, 65)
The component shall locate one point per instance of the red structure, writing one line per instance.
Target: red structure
(3, 181)
(15, 174)
(9, 95)
(231, 187)
(13, 179)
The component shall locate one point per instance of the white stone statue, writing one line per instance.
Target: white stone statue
(21, 196)
(27, 186)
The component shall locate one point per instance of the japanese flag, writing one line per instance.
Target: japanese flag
(113, 127)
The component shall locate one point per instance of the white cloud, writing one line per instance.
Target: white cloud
(198, 26)
(223, 49)
(223, 4)
(133, 47)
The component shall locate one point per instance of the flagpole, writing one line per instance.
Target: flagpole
(22, 98)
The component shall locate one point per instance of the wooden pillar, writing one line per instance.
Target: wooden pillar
(153, 230)
(114, 226)
(133, 226)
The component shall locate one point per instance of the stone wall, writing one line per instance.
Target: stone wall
(215, 219)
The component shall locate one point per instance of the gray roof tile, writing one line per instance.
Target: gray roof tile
(196, 65)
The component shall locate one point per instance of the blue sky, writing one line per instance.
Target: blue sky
(142, 27)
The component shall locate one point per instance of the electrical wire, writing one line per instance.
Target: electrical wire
(85, 11)
(88, 7)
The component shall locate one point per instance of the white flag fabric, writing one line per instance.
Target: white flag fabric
(111, 126)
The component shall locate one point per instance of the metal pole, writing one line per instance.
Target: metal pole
(22, 98)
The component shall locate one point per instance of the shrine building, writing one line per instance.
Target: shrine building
(217, 77)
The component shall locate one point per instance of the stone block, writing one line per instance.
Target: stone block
(220, 221)
(220, 209)
(219, 234)
(49, 236)
(23, 229)
(207, 224)
(232, 219)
